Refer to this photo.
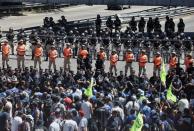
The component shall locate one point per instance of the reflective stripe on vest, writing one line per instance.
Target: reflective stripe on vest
(113, 59)
(21, 49)
(157, 61)
(5, 49)
(173, 62)
(52, 54)
(67, 52)
(83, 54)
(102, 55)
(143, 60)
(129, 57)
(38, 51)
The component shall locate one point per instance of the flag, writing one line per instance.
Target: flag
(138, 123)
(163, 74)
(170, 95)
(88, 92)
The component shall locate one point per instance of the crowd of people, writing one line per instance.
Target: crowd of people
(36, 99)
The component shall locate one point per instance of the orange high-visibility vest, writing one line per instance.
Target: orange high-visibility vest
(5, 50)
(129, 57)
(143, 60)
(187, 62)
(67, 52)
(21, 49)
(38, 51)
(102, 55)
(83, 54)
(52, 54)
(157, 61)
(173, 62)
(113, 59)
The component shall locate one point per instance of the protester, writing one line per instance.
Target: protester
(97, 99)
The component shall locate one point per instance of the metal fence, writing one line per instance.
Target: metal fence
(121, 2)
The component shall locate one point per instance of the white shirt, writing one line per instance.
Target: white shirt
(70, 125)
(87, 109)
(15, 123)
(130, 106)
(9, 104)
(182, 104)
(120, 110)
(54, 126)
(83, 123)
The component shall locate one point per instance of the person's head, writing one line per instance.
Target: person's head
(39, 44)
(181, 20)
(173, 54)
(69, 115)
(21, 42)
(129, 51)
(98, 16)
(167, 17)
(143, 52)
(81, 113)
(114, 113)
(68, 45)
(113, 52)
(157, 54)
(5, 42)
(101, 49)
(52, 47)
(189, 56)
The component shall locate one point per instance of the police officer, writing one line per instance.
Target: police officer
(188, 45)
(106, 43)
(117, 23)
(133, 24)
(92, 45)
(167, 25)
(22, 35)
(71, 39)
(33, 40)
(181, 26)
(129, 58)
(109, 25)
(49, 43)
(150, 25)
(141, 25)
(166, 49)
(10, 37)
(117, 44)
(157, 26)
(172, 25)
(98, 23)
(127, 44)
